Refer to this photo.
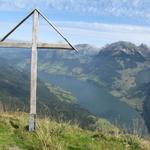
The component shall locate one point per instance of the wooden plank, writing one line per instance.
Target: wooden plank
(29, 45)
(54, 46)
(33, 86)
(15, 45)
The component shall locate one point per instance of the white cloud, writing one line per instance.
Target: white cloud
(101, 34)
(85, 32)
(128, 8)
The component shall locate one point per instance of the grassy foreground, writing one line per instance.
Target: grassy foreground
(51, 135)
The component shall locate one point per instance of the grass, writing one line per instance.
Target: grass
(51, 135)
(61, 94)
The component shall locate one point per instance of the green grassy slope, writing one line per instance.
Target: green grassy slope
(51, 135)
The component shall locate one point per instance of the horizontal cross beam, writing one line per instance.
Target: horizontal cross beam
(39, 45)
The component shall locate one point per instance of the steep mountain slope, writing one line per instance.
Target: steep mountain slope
(145, 89)
(125, 68)
(115, 57)
(14, 86)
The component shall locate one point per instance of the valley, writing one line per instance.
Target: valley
(96, 99)
(106, 82)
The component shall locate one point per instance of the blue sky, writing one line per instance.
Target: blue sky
(97, 22)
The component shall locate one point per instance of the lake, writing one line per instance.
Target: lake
(95, 99)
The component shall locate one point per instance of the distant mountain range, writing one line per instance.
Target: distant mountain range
(121, 69)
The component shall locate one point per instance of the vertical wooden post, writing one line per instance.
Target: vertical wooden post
(33, 86)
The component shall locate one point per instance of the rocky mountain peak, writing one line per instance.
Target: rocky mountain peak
(121, 48)
(126, 47)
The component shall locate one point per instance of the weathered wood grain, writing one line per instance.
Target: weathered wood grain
(33, 84)
(29, 45)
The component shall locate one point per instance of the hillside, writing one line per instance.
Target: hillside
(51, 135)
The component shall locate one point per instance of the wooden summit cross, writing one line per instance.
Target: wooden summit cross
(34, 45)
